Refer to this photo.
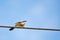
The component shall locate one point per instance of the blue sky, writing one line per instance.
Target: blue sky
(37, 13)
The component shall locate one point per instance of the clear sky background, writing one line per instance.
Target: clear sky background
(37, 13)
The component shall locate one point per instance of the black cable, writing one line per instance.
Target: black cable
(52, 29)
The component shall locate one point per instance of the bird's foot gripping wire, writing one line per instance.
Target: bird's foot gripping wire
(11, 29)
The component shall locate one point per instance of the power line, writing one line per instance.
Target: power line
(51, 29)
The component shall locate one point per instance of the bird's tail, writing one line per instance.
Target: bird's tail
(11, 29)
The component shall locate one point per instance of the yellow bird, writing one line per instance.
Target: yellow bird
(18, 24)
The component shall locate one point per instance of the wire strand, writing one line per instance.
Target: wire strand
(51, 29)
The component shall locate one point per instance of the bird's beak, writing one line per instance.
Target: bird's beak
(24, 21)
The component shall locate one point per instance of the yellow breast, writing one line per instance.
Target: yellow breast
(20, 24)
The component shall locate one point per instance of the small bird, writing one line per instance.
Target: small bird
(18, 24)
